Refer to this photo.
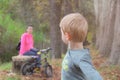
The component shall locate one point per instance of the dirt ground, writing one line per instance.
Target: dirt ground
(108, 72)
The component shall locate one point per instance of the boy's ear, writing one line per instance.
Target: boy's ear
(67, 36)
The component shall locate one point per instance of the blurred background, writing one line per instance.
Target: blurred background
(45, 15)
(103, 37)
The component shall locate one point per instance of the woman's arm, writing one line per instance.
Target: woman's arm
(23, 43)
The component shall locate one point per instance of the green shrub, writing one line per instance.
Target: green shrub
(12, 78)
(6, 57)
(10, 36)
(5, 66)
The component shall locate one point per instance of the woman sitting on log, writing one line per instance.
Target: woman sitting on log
(27, 42)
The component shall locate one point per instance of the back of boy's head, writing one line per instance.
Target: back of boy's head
(76, 25)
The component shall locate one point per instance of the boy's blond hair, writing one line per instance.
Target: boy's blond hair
(76, 25)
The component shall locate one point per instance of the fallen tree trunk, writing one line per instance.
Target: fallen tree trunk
(18, 61)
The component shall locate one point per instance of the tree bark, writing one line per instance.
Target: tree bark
(108, 33)
(18, 61)
(105, 15)
(27, 12)
(67, 8)
(55, 37)
(115, 52)
(76, 5)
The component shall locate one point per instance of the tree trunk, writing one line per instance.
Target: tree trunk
(108, 34)
(67, 8)
(76, 5)
(55, 37)
(105, 15)
(115, 52)
(27, 12)
(18, 61)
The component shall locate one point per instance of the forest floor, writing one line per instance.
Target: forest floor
(108, 72)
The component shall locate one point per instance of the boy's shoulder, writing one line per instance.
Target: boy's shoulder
(80, 55)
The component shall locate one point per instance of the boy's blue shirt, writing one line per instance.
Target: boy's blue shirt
(77, 65)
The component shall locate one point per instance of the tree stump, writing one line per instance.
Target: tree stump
(18, 61)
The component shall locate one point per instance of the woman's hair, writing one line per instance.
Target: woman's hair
(28, 27)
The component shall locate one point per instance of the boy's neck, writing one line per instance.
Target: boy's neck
(75, 45)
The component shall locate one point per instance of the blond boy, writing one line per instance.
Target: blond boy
(77, 63)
